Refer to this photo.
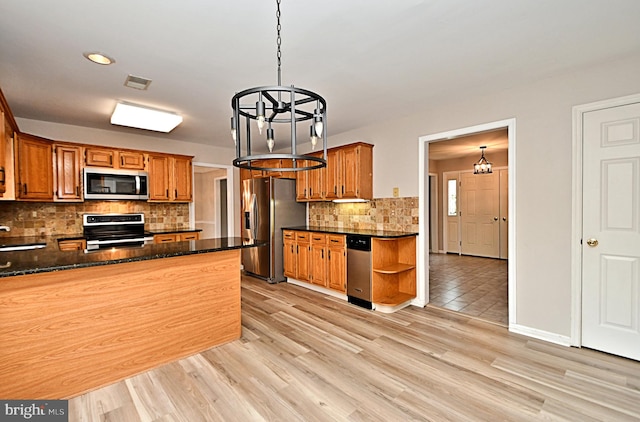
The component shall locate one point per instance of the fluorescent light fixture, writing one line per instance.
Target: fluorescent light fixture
(141, 117)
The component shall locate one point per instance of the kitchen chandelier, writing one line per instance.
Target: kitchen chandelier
(278, 105)
(482, 166)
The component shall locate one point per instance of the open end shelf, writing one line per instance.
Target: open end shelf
(394, 268)
(394, 300)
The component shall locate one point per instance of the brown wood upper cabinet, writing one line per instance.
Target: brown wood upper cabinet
(68, 172)
(348, 175)
(34, 165)
(8, 127)
(170, 178)
(3, 140)
(113, 158)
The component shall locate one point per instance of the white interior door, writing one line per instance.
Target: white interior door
(479, 214)
(611, 231)
(504, 213)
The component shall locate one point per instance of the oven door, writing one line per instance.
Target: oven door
(97, 244)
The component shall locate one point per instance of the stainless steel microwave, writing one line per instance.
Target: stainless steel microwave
(104, 183)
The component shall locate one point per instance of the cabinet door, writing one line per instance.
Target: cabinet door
(131, 160)
(158, 177)
(333, 174)
(289, 258)
(337, 263)
(3, 140)
(182, 179)
(318, 259)
(303, 251)
(316, 181)
(350, 172)
(68, 172)
(100, 157)
(302, 188)
(34, 160)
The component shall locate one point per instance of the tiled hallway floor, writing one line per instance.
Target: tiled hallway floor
(470, 285)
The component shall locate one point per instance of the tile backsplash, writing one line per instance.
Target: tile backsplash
(396, 214)
(52, 219)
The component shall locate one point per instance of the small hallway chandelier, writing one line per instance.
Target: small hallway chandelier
(278, 106)
(482, 166)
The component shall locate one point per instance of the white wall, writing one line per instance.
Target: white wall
(543, 123)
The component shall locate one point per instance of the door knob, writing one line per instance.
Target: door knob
(592, 242)
(495, 218)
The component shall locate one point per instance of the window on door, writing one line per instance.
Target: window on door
(452, 194)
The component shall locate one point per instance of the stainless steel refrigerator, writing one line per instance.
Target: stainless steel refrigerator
(268, 204)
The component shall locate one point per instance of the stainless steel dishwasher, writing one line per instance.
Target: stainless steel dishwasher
(359, 270)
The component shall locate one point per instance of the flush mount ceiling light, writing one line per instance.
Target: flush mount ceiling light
(482, 166)
(278, 105)
(99, 58)
(140, 117)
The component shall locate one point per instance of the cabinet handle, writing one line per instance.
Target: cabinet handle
(77, 190)
(343, 189)
(176, 192)
(111, 159)
(25, 188)
(2, 181)
(310, 191)
(297, 249)
(335, 241)
(121, 161)
(329, 255)
(167, 193)
(335, 190)
(322, 256)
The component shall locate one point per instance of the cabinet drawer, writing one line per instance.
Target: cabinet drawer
(302, 236)
(318, 238)
(72, 245)
(188, 236)
(289, 235)
(164, 238)
(336, 240)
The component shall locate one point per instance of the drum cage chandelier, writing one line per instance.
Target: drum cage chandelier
(278, 106)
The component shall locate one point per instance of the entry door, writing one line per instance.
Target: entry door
(611, 231)
(479, 214)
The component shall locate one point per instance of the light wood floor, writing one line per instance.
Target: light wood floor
(471, 285)
(304, 356)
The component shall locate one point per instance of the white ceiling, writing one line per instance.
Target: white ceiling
(370, 59)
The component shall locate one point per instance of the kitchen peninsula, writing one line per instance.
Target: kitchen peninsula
(75, 321)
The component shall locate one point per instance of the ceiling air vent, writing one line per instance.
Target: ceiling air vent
(137, 82)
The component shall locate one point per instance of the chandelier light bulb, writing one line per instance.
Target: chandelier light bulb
(270, 141)
(313, 136)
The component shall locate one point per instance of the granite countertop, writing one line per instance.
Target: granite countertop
(51, 258)
(362, 232)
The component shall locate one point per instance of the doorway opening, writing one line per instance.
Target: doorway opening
(472, 269)
(212, 207)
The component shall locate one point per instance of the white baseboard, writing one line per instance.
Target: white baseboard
(540, 335)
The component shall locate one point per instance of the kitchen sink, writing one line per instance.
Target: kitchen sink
(31, 246)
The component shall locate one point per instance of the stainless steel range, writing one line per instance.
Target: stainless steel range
(104, 231)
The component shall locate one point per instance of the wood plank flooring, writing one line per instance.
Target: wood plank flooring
(304, 356)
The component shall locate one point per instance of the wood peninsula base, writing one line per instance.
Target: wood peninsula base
(67, 332)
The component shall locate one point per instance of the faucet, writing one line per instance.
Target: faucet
(5, 229)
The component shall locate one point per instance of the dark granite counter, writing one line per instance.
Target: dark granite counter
(50, 258)
(335, 230)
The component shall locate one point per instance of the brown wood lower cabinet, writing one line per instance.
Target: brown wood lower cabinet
(72, 245)
(316, 258)
(175, 237)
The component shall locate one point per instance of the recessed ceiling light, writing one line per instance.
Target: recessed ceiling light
(99, 58)
(141, 117)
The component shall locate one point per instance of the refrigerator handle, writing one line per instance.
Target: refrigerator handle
(254, 212)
